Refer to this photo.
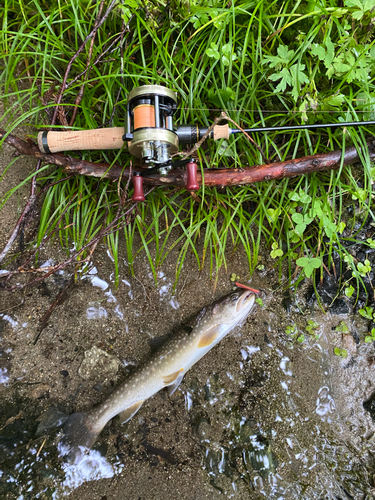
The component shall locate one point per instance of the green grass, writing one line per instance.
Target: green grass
(264, 63)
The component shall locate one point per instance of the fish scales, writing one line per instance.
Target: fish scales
(165, 369)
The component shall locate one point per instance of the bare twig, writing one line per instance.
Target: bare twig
(59, 299)
(211, 176)
(82, 88)
(26, 210)
(265, 159)
(48, 236)
(48, 270)
(195, 148)
(41, 447)
(70, 63)
(100, 57)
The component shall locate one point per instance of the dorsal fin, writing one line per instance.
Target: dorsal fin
(210, 336)
(130, 412)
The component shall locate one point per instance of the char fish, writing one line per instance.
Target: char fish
(166, 369)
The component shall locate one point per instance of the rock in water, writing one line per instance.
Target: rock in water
(97, 364)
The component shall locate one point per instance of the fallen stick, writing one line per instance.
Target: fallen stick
(212, 176)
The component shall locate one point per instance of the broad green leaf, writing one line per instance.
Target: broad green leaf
(318, 50)
(226, 49)
(285, 54)
(273, 213)
(335, 100)
(330, 52)
(300, 229)
(302, 261)
(341, 67)
(304, 197)
(212, 53)
(297, 218)
(354, 3)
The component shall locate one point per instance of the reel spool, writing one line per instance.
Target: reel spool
(149, 127)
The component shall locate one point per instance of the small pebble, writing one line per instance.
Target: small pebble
(39, 391)
(348, 343)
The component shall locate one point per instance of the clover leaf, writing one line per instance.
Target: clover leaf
(309, 264)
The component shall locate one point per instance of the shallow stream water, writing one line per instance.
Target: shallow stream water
(261, 416)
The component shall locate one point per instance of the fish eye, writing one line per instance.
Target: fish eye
(235, 297)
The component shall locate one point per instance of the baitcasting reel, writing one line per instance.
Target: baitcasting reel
(149, 128)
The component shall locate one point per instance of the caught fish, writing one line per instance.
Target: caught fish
(166, 369)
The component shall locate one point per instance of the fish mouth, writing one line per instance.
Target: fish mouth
(246, 299)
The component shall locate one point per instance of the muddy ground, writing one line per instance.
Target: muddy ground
(261, 416)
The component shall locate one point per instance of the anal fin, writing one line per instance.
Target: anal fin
(130, 412)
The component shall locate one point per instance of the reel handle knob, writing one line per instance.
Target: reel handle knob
(138, 194)
(192, 181)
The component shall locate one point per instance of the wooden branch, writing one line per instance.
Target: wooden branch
(212, 177)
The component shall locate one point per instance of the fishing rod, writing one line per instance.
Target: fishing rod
(150, 134)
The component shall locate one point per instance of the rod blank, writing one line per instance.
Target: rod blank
(303, 127)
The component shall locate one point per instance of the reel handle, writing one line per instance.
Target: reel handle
(192, 181)
(75, 140)
(138, 194)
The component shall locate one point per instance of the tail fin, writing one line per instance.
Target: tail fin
(79, 432)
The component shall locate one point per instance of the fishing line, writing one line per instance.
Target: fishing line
(278, 110)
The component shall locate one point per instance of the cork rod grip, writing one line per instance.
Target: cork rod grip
(100, 138)
(221, 132)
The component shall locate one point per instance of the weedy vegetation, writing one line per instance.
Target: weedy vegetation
(263, 62)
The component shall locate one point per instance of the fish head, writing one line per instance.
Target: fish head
(233, 308)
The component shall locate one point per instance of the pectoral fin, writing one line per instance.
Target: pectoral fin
(210, 336)
(177, 381)
(130, 412)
